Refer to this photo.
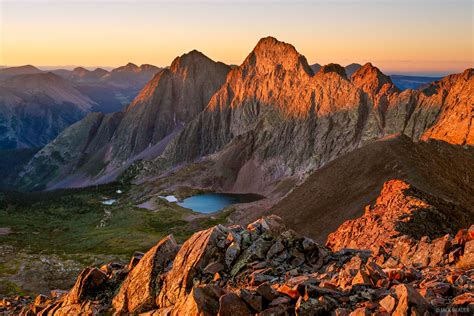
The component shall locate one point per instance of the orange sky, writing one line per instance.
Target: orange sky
(423, 36)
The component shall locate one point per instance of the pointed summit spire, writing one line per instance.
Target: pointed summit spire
(370, 79)
(270, 53)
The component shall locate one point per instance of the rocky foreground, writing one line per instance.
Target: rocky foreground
(378, 264)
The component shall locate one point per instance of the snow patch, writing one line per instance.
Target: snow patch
(170, 198)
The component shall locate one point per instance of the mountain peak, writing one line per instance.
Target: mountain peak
(370, 79)
(351, 68)
(80, 70)
(270, 53)
(148, 67)
(131, 65)
(127, 67)
(19, 70)
(188, 59)
(333, 68)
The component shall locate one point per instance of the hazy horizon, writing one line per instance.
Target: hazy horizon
(407, 37)
(433, 74)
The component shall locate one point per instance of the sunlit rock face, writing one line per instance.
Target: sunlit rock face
(282, 120)
(276, 116)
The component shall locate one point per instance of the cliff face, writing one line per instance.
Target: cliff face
(170, 100)
(289, 122)
(454, 123)
(288, 118)
(109, 143)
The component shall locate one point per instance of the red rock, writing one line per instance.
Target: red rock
(279, 310)
(395, 274)
(266, 291)
(201, 301)
(139, 289)
(438, 287)
(454, 255)
(468, 257)
(361, 278)
(282, 300)
(136, 257)
(375, 272)
(290, 291)
(388, 303)
(259, 277)
(231, 305)
(87, 285)
(342, 312)
(254, 301)
(464, 299)
(214, 267)
(408, 296)
(40, 300)
(195, 254)
(310, 306)
(463, 236)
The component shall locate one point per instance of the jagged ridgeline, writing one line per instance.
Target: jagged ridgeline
(273, 114)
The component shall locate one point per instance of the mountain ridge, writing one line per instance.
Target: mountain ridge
(273, 98)
(172, 98)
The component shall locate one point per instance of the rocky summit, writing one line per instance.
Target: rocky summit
(379, 264)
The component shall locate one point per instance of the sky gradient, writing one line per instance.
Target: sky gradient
(423, 36)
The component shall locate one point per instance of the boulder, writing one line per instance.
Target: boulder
(253, 300)
(203, 300)
(230, 304)
(191, 260)
(138, 291)
(388, 303)
(87, 286)
(408, 298)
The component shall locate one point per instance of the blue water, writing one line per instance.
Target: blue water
(213, 202)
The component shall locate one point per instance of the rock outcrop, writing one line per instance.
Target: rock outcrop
(342, 188)
(265, 269)
(137, 293)
(405, 222)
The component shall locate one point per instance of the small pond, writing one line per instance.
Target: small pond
(213, 202)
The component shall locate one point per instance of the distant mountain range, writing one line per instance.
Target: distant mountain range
(35, 106)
